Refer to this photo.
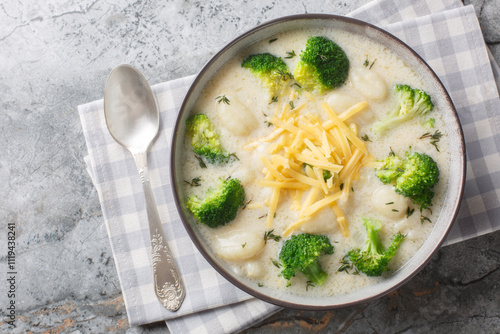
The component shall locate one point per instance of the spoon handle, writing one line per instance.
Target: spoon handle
(168, 286)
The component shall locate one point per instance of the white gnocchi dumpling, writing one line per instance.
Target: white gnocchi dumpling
(388, 202)
(368, 83)
(235, 116)
(239, 245)
(254, 269)
(323, 221)
(341, 102)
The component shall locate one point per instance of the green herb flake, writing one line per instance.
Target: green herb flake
(409, 212)
(290, 54)
(222, 99)
(270, 235)
(201, 162)
(435, 138)
(273, 40)
(366, 138)
(195, 182)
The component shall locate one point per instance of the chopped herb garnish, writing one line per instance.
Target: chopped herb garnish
(262, 216)
(223, 99)
(365, 138)
(291, 105)
(290, 54)
(260, 285)
(367, 62)
(409, 212)
(285, 75)
(274, 99)
(200, 160)
(276, 263)
(296, 84)
(394, 210)
(389, 203)
(245, 205)
(424, 218)
(195, 182)
(434, 138)
(309, 284)
(347, 265)
(235, 156)
(273, 40)
(341, 186)
(271, 235)
(243, 245)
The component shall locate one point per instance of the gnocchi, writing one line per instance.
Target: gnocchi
(239, 244)
(368, 83)
(234, 115)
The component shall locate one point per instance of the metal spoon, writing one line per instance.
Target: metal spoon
(132, 118)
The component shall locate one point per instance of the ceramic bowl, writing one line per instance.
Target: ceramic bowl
(456, 144)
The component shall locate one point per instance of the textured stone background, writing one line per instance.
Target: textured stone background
(55, 55)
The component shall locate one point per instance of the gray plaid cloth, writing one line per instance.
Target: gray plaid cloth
(444, 32)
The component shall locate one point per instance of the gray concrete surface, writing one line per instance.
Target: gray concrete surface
(55, 55)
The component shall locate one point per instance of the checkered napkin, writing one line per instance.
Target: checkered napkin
(444, 32)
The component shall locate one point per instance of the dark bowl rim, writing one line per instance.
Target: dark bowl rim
(189, 228)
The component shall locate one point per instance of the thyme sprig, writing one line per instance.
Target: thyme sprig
(223, 99)
(434, 138)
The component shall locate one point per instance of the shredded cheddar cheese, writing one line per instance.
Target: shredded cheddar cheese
(311, 157)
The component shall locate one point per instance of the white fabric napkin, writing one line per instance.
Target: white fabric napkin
(444, 32)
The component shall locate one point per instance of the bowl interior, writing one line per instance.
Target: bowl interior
(443, 101)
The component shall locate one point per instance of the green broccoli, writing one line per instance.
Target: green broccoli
(323, 65)
(271, 70)
(204, 140)
(413, 177)
(220, 204)
(301, 253)
(373, 259)
(411, 102)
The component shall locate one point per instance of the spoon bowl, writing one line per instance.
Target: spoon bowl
(132, 118)
(130, 107)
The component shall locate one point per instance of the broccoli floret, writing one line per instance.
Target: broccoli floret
(373, 259)
(391, 169)
(301, 253)
(411, 102)
(323, 65)
(220, 204)
(414, 177)
(271, 70)
(204, 140)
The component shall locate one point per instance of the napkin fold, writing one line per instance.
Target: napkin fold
(444, 32)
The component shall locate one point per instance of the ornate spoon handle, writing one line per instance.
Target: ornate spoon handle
(168, 285)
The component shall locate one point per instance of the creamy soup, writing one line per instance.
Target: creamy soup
(374, 72)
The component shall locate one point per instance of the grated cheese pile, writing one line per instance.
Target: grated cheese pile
(302, 148)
